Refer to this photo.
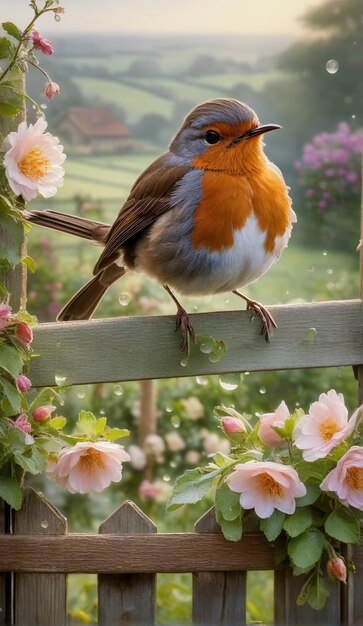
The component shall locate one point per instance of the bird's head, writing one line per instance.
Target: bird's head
(222, 134)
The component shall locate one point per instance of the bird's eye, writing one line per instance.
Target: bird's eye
(211, 136)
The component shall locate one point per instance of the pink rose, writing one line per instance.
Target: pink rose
(157, 491)
(346, 480)
(336, 568)
(88, 466)
(265, 486)
(40, 43)
(324, 427)
(24, 333)
(266, 433)
(42, 413)
(23, 383)
(51, 89)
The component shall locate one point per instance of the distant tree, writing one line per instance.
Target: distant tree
(152, 127)
(205, 64)
(145, 68)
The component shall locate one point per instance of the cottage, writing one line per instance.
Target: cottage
(90, 130)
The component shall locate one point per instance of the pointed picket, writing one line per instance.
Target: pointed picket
(127, 599)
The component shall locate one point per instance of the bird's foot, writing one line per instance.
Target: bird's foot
(268, 322)
(186, 327)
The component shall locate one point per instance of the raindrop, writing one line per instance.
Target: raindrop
(353, 117)
(332, 66)
(44, 523)
(57, 17)
(166, 477)
(34, 106)
(175, 420)
(246, 373)
(81, 394)
(311, 268)
(61, 402)
(172, 464)
(214, 358)
(102, 411)
(117, 390)
(60, 379)
(325, 253)
(169, 409)
(195, 307)
(184, 362)
(310, 336)
(206, 347)
(44, 106)
(226, 300)
(297, 404)
(329, 271)
(202, 380)
(229, 382)
(124, 299)
(262, 390)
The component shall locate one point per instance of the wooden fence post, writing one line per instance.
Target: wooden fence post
(127, 599)
(218, 597)
(39, 599)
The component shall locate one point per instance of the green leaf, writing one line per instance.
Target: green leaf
(318, 593)
(12, 107)
(12, 238)
(57, 422)
(12, 395)
(343, 525)
(86, 422)
(6, 47)
(227, 503)
(307, 548)
(12, 30)
(32, 461)
(30, 263)
(312, 494)
(221, 459)
(16, 439)
(100, 425)
(10, 359)
(298, 522)
(10, 491)
(232, 529)
(192, 486)
(273, 525)
(116, 433)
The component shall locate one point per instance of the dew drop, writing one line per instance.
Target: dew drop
(206, 347)
(329, 271)
(184, 362)
(262, 390)
(202, 380)
(310, 336)
(353, 117)
(60, 379)
(311, 269)
(61, 402)
(332, 66)
(117, 390)
(229, 382)
(102, 411)
(246, 373)
(195, 307)
(325, 253)
(166, 478)
(81, 394)
(124, 299)
(175, 420)
(57, 17)
(169, 409)
(214, 358)
(172, 464)
(44, 523)
(44, 106)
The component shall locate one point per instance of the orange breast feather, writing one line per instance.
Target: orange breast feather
(271, 204)
(225, 206)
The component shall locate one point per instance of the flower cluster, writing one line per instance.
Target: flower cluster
(300, 474)
(329, 172)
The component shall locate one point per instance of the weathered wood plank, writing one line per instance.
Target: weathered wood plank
(39, 598)
(125, 348)
(5, 579)
(219, 598)
(127, 599)
(111, 554)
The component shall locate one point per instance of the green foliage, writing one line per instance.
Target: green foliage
(192, 486)
(343, 525)
(306, 549)
(298, 522)
(272, 526)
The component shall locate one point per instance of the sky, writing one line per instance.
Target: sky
(169, 16)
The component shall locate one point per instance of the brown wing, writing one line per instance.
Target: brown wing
(148, 199)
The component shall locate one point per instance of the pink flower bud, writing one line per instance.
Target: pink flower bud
(23, 383)
(40, 43)
(22, 423)
(233, 428)
(51, 89)
(24, 333)
(336, 568)
(42, 413)
(266, 432)
(5, 310)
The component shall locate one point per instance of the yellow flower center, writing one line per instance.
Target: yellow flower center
(328, 428)
(34, 163)
(354, 478)
(91, 461)
(269, 485)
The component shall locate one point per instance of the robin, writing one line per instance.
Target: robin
(208, 216)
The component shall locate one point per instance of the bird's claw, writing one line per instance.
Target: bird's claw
(183, 322)
(268, 322)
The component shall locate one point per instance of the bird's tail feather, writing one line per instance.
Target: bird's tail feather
(86, 300)
(71, 224)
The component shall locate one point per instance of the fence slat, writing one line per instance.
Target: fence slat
(219, 598)
(323, 334)
(127, 599)
(288, 613)
(39, 598)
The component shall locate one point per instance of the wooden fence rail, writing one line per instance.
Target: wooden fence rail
(128, 553)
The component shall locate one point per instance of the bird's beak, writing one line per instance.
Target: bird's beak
(254, 132)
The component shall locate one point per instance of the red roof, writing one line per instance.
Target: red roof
(97, 122)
